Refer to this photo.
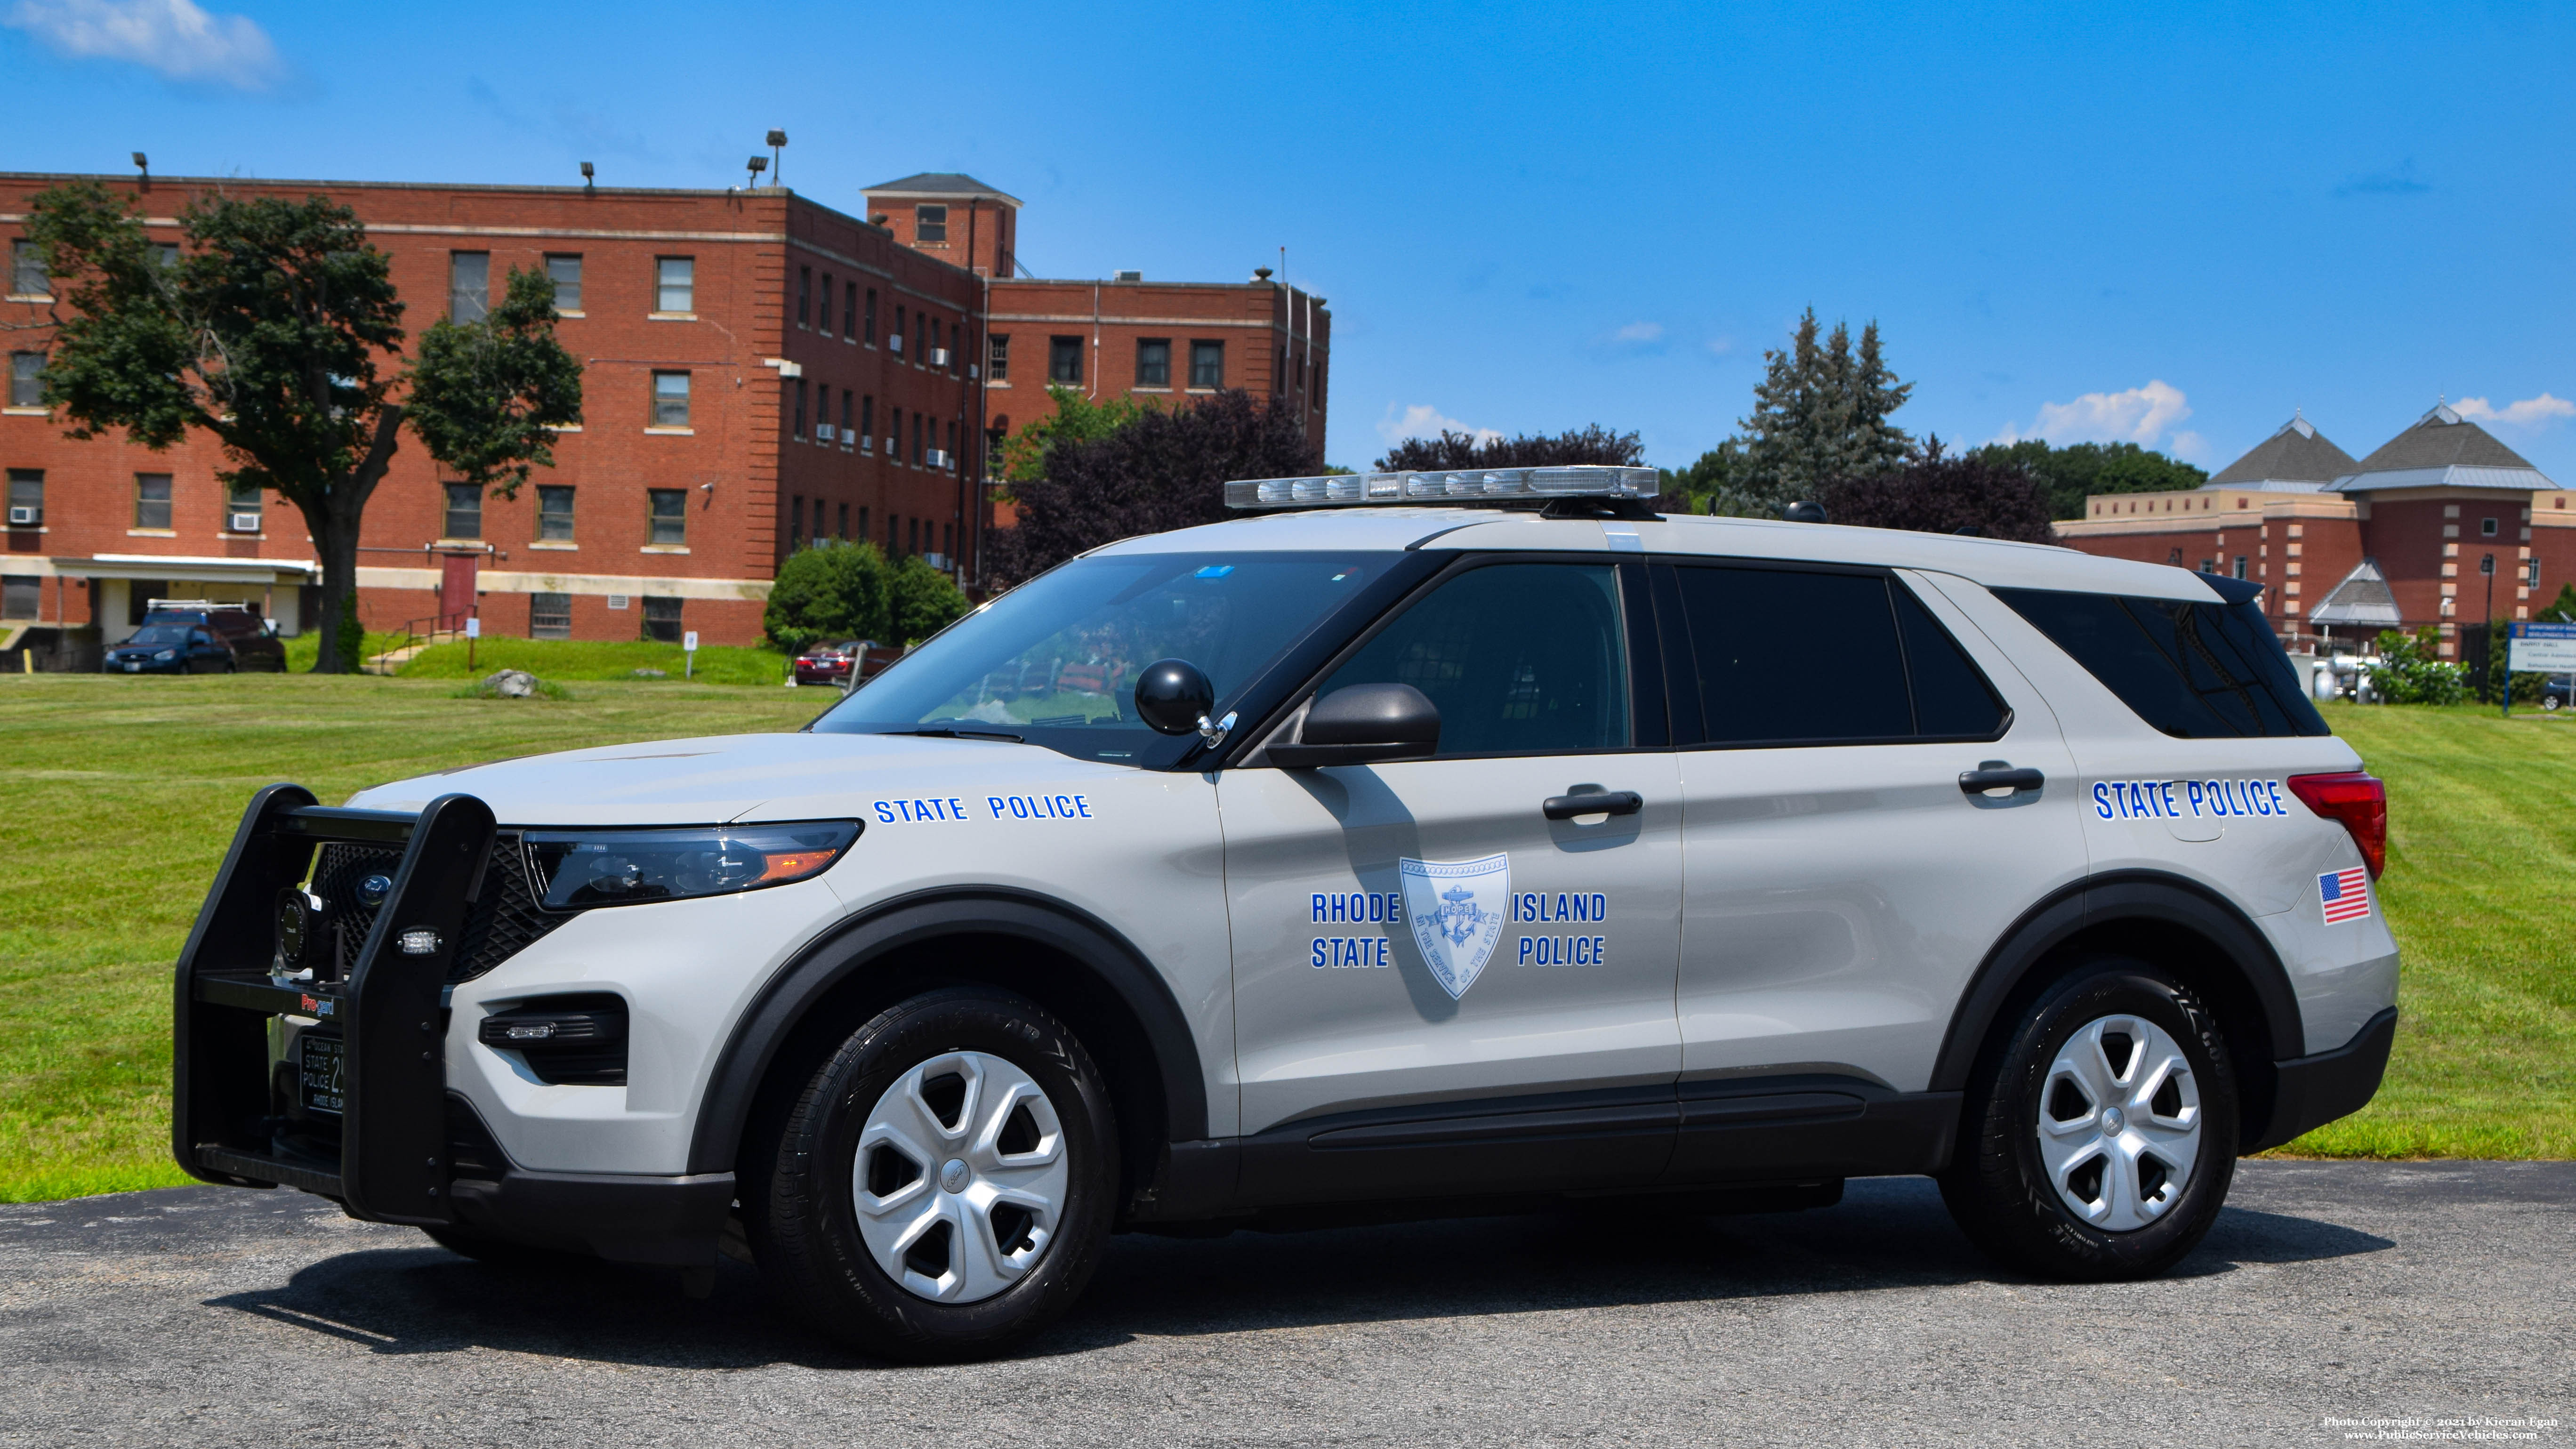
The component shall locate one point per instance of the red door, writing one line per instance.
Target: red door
(456, 589)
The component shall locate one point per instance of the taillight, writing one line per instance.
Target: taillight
(2359, 801)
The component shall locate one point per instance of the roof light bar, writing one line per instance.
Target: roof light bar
(1469, 485)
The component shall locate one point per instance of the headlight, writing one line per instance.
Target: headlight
(167, 654)
(585, 868)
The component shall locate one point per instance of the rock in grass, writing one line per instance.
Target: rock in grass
(510, 684)
(652, 674)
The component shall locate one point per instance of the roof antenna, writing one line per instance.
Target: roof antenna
(777, 155)
(587, 175)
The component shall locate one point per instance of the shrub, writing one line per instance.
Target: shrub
(920, 601)
(834, 590)
(2407, 672)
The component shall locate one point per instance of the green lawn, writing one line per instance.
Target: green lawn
(122, 793)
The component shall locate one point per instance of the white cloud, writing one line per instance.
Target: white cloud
(1422, 420)
(1639, 332)
(173, 37)
(1720, 346)
(2530, 412)
(2140, 415)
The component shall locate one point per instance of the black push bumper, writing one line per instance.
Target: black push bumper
(2308, 1092)
(395, 1145)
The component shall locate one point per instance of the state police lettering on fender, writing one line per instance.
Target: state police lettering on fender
(936, 808)
(2197, 799)
(939, 808)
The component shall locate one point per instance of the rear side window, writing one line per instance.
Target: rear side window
(2193, 670)
(1792, 657)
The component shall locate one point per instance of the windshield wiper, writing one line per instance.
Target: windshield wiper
(944, 732)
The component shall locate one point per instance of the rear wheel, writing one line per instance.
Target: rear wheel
(942, 1186)
(2100, 1138)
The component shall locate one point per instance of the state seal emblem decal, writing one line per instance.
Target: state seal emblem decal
(1457, 908)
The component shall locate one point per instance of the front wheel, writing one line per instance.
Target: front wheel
(942, 1187)
(2100, 1139)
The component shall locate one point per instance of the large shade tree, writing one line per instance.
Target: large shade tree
(1935, 491)
(274, 327)
(1159, 471)
(1455, 450)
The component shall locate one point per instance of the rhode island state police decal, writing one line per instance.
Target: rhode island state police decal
(1457, 910)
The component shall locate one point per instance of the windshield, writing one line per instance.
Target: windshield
(161, 634)
(1054, 661)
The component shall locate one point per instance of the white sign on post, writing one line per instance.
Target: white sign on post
(689, 650)
(689, 641)
(474, 628)
(2542, 649)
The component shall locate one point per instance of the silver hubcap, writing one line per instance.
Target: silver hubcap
(961, 1177)
(2119, 1123)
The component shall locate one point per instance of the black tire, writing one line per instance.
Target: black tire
(802, 1215)
(1998, 1187)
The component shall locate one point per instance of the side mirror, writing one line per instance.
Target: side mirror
(1364, 724)
(1174, 697)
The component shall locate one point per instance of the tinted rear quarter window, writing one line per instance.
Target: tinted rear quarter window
(2192, 670)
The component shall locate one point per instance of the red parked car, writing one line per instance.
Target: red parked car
(828, 663)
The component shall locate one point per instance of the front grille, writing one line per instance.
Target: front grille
(506, 921)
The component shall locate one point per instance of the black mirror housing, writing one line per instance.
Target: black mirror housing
(1173, 695)
(1364, 724)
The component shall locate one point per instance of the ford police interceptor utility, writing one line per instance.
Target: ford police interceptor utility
(1502, 846)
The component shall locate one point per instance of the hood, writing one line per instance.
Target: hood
(724, 778)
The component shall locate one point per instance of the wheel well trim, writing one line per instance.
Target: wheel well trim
(825, 964)
(2102, 900)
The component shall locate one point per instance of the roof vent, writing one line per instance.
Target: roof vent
(1128, 276)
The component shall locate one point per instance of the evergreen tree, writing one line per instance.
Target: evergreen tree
(1820, 412)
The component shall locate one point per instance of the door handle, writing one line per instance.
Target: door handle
(1594, 802)
(1997, 775)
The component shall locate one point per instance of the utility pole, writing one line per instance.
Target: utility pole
(2486, 565)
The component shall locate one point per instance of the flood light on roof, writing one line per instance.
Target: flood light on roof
(1470, 485)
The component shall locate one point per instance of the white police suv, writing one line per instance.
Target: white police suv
(1492, 843)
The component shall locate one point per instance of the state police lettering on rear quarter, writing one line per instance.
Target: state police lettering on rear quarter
(2198, 799)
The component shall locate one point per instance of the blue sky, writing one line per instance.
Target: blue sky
(2170, 223)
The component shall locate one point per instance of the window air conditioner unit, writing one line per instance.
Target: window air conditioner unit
(939, 357)
(894, 342)
(245, 523)
(849, 437)
(938, 458)
(938, 561)
(822, 432)
(23, 516)
(973, 372)
(867, 444)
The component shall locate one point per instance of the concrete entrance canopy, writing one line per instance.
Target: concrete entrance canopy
(273, 584)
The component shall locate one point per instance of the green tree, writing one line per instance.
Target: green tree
(276, 329)
(1591, 443)
(1076, 419)
(2078, 469)
(834, 590)
(2562, 610)
(1820, 412)
(2407, 672)
(920, 601)
(1714, 484)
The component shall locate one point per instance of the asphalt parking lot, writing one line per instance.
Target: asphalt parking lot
(206, 1316)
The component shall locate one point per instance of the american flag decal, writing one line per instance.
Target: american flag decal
(2346, 894)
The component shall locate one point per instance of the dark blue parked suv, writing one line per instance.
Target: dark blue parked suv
(198, 641)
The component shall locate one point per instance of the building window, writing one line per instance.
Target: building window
(1064, 360)
(894, 339)
(804, 294)
(26, 379)
(823, 307)
(1153, 362)
(565, 273)
(997, 349)
(550, 615)
(796, 429)
(22, 596)
(894, 527)
(670, 399)
(152, 500)
(862, 535)
(469, 286)
(26, 497)
(2240, 565)
(670, 517)
(2486, 528)
(661, 620)
(868, 325)
(920, 443)
(844, 530)
(930, 223)
(912, 537)
(554, 512)
(1207, 364)
(849, 401)
(242, 508)
(850, 311)
(868, 422)
(795, 520)
(464, 511)
(675, 284)
(27, 271)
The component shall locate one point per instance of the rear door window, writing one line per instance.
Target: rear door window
(1521, 658)
(2192, 670)
(1801, 657)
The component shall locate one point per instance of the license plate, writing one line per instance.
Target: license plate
(133, 666)
(321, 1075)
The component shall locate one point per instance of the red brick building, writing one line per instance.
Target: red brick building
(759, 370)
(2345, 548)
